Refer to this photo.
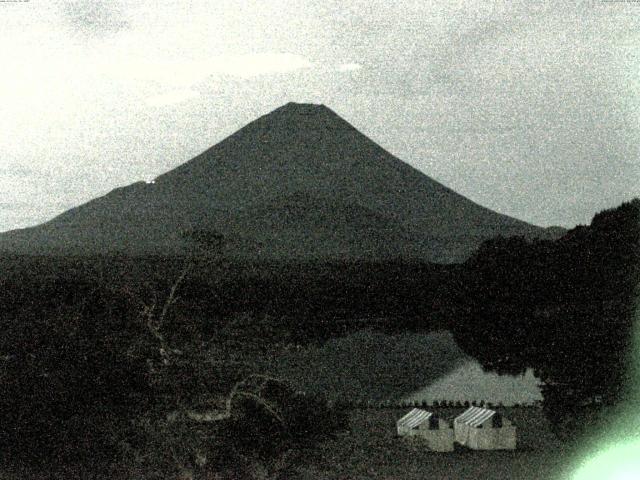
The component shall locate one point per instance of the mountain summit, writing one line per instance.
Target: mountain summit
(297, 183)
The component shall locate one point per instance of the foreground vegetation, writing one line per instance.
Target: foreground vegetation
(565, 308)
(368, 449)
(151, 365)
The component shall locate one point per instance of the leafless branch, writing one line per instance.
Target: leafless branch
(172, 294)
(237, 391)
(267, 405)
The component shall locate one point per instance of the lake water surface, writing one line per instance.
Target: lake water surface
(409, 366)
(469, 382)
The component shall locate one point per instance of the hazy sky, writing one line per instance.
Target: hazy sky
(529, 108)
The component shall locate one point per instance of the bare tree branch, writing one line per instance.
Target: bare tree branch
(267, 405)
(237, 391)
(174, 288)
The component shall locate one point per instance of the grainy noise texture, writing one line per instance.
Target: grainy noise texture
(338, 239)
(528, 108)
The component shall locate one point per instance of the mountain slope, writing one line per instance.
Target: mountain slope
(297, 182)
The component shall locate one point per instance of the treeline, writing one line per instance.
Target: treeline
(312, 302)
(216, 288)
(91, 374)
(564, 308)
(83, 353)
(424, 404)
(82, 359)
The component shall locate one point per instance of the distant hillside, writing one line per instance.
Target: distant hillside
(299, 182)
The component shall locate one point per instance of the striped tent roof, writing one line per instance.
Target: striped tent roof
(414, 418)
(475, 416)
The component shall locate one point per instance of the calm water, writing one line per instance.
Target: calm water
(374, 366)
(470, 382)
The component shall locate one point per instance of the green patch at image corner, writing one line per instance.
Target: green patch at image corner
(614, 453)
(618, 461)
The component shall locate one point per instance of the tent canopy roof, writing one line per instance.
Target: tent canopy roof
(475, 416)
(414, 418)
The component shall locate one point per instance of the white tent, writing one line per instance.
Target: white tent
(435, 432)
(484, 429)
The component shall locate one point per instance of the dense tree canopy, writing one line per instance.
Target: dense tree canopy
(564, 308)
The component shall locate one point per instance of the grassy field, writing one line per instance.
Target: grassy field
(372, 450)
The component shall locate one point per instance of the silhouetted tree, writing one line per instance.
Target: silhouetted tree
(563, 308)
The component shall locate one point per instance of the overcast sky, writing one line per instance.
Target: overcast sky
(529, 108)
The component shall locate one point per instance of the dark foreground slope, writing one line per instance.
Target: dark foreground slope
(298, 183)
